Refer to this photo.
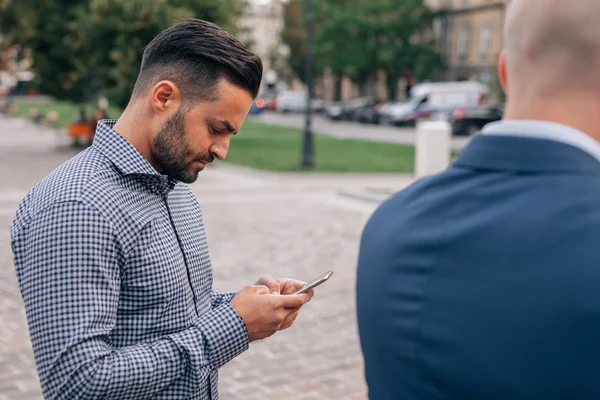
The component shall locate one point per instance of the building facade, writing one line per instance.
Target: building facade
(470, 38)
(260, 29)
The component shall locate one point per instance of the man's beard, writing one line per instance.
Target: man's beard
(173, 154)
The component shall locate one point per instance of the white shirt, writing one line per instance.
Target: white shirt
(545, 130)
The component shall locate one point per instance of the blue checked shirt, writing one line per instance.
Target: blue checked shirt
(113, 265)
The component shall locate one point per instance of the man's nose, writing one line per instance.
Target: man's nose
(220, 148)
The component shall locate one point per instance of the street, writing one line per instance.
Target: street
(352, 130)
(292, 225)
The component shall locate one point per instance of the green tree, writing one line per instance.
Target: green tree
(342, 45)
(83, 48)
(294, 37)
(404, 49)
(42, 26)
(111, 35)
(358, 38)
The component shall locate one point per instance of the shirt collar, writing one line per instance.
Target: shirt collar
(127, 159)
(545, 130)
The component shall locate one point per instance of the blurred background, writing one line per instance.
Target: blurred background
(333, 132)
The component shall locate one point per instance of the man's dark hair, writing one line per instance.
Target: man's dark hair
(195, 55)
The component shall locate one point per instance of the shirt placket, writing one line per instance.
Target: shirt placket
(165, 190)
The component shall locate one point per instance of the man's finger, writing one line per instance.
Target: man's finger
(261, 289)
(289, 286)
(294, 300)
(269, 282)
(289, 320)
(310, 294)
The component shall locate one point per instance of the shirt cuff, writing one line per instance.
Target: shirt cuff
(225, 334)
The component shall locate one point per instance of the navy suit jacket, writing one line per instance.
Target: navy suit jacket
(483, 282)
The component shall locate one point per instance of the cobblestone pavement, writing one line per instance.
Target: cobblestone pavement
(257, 223)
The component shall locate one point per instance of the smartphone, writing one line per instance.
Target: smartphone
(315, 282)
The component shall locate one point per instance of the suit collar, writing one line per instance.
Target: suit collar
(537, 129)
(525, 154)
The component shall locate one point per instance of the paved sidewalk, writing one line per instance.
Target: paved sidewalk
(287, 226)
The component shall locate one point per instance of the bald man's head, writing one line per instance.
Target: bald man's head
(552, 46)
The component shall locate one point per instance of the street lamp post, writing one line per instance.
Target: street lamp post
(308, 158)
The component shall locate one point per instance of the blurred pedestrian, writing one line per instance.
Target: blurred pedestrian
(81, 117)
(97, 116)
(110, 248)
(482, 282)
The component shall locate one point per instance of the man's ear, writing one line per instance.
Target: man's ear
(166, 97)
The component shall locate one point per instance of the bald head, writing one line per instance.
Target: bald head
(552, 47)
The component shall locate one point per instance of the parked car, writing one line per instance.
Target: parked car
(428, 99)
(360, 114)
(334, 111)
(345, 109)
(369, 114)
(295, 101)
(291, 101)
(318, 105)
(470, 120)
(373, 114)
(407, 113)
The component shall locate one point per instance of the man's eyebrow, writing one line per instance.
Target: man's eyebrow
(229, 127)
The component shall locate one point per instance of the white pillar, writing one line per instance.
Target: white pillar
(432, 147)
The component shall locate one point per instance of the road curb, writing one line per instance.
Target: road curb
(371, 195)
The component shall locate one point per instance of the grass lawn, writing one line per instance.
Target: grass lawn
(277, 148)
(66, 110)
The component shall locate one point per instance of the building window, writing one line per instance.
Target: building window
(437, 29)
(463, 41)
(484, 41)
(450, 39)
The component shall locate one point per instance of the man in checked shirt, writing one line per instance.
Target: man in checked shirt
(110, 248)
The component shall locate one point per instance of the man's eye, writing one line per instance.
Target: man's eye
(215, 130)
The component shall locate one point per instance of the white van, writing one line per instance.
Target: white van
(291, 101)
(295, 101)
(427, 99)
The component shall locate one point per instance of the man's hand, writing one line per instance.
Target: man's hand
(289, 286)
(265, 313)
(271, 283)
(282, 286)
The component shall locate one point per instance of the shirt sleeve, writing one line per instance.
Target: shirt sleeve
(69, 275)
(217, 298)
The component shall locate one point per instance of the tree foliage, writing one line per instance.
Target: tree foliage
(43, 26)
(84, 48)
(358, 38)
